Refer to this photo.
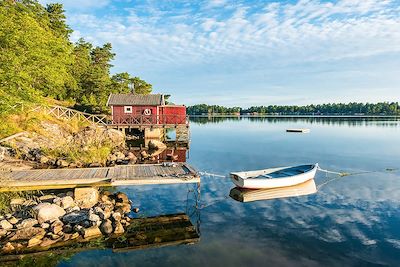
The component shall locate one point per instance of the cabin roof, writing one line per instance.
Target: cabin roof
(135, 100)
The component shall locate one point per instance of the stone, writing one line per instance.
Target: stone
(47, 242)
(27, 223)
(70, 194)
(118, 228)
(28, 233)
(119, 155)
(116, 216)
(94, 165)
(68, 229)
(91, 232)
(94, 217)
(86, 197)
(45, 225)
(53, 236)
(6, 225)
(3, 233)
(62, 163)
(13, 220)
(34, 241)
(112, 158)
(121, 197)
(47, 212)
(144, 154)
(76, 217)
(131, 157)
(106, 227)
(47, 198)
(17, 201)
(43, 159)
(123, 208)
(67, 237)
(71, 209)
(87, 224)
(106, 214)
(74, 235)
(67, 202)
(57, 227)
(135, 210)
(8, 247)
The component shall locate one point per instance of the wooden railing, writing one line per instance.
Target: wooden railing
(166, 119)
(67, 113)
(122, 120)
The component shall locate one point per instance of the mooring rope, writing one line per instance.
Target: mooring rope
(213, 174)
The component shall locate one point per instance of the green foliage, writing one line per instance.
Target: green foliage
(384, 108)
(37, 59)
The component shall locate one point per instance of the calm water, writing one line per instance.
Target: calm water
(352, 221)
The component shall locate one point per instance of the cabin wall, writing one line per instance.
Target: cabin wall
(173, 114)
(119, 115)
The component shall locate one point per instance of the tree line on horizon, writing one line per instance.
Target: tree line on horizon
(38, 59)
(382, 108)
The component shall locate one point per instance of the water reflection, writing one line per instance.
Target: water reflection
(382, 122)
(248, 195)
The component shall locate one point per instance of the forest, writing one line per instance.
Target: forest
(39, 61)
(383, 108)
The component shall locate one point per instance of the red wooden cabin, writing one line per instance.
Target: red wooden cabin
(145, 110)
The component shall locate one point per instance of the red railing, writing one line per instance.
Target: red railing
(167, 119)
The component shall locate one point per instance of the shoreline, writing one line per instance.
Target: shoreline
(297, 116)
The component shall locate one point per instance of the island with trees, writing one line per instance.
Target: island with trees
(334, 109)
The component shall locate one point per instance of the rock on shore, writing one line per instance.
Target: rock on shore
(84, 213)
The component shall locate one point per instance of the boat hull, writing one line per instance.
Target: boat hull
(241, 180)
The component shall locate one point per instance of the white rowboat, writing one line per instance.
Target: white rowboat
(274, 177)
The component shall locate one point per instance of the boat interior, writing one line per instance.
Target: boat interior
(291, 171)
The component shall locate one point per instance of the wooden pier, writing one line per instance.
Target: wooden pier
(139, 174)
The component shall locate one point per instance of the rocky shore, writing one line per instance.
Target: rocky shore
(40, 222)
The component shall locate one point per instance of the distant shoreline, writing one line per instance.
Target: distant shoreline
(293, 116)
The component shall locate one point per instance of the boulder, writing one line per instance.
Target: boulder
(91, 232)
(118, 228)
(28, 233)
(121, 197)
(94, 217)
(123, 208)
(47, 198)
(8, 247)
(116, 137)
(34, 241)
(135, 210)
(131, 157)
(67, 202)
(47, 242)
(86, 197)
(47, 212)
(13, 220)
(119, 155)
(17, 201)
(45, 225)
(76, 217)
(43, 159)
(116, 216)
(6, 225)
(27, 223)
(57, 227)
(3, 233)
(62, 163)
(74, 236)
(106, 227)
(67, 228)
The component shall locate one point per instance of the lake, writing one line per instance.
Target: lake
(351, 221)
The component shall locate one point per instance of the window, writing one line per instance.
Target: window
(127, 109)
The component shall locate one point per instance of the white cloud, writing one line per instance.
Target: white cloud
(243, 39)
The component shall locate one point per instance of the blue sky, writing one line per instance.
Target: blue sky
(251, 52)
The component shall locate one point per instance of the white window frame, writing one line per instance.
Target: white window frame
(128, 109)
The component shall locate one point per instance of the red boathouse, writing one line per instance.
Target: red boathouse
(130, 110)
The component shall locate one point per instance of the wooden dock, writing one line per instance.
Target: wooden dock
(139, 174)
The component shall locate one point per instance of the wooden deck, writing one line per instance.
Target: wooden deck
(139, 174)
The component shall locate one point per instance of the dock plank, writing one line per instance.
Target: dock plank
(111, 176)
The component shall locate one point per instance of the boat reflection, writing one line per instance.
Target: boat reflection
(248, 195)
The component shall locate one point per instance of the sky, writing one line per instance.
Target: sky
(250, 52)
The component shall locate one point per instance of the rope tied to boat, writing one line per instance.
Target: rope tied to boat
(213, 174)
(338, 173)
